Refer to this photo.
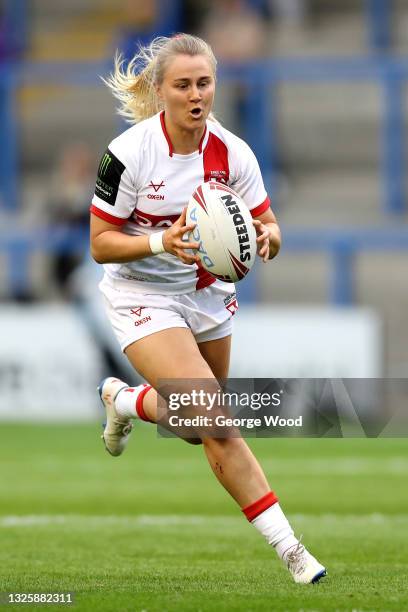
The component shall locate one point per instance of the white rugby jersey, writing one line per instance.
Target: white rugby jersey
(143, 186)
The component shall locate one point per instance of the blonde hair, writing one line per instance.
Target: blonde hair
(135, 85)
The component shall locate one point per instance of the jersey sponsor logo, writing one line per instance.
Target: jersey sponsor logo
(156, 186)
(155, 196)
(148, 220)
(103, 166)
(109, 174)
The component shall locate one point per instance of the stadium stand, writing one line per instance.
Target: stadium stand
(331, 145)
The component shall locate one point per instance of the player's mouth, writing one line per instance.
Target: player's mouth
(196, 113)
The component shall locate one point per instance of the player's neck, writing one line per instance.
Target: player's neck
(184, 141)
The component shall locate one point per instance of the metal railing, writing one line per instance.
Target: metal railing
(342, 246)
(262, 79)
(391, 74)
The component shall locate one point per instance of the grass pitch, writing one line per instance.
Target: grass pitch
(154, 531)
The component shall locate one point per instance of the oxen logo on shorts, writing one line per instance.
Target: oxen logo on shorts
(137, 312)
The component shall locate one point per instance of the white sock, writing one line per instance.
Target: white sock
(275, 528)
(125, 402)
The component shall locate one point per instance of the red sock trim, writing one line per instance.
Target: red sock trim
(139, 404)
(255, 509)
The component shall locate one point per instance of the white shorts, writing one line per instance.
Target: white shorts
(133, 316)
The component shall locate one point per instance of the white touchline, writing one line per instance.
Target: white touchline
(347, 466)
(30, 520)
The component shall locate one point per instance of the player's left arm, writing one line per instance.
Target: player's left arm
(268, 235)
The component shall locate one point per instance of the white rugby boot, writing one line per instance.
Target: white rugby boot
(304, 568)
(117, 429)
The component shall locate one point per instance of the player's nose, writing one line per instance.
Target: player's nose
(195, 94)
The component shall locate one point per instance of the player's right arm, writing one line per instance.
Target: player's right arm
(109, 244)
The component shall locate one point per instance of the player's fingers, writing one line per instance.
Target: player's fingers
(263, 242)
(260, 228)
(187, 245)
(186, 257)
(182, 218)
(187, 228)
(263, 250)
(262, 237)
(266, 251)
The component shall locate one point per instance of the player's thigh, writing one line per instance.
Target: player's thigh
(168, 354)
(217, 354)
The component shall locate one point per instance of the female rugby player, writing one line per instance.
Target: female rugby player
(170, 316)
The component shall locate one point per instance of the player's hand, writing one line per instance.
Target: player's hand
(263, 234)
(175, 243)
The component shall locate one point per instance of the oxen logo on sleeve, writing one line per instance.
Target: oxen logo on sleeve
(109, 174)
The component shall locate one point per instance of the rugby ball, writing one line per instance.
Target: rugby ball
(223, 230)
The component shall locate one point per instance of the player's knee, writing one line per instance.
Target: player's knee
(223, 444)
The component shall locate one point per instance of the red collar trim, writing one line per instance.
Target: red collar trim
(166, 135)
(171, 150)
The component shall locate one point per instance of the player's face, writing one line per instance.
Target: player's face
(187, 91)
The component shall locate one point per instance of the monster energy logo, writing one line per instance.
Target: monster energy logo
(103, 166)
(109, 176)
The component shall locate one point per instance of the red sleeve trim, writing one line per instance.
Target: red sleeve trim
(255, 212)
(106, 217)
(262, 504)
